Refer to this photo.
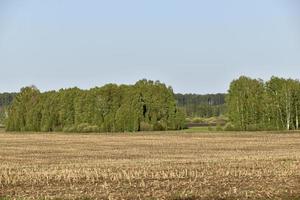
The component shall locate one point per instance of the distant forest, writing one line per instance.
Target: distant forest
(6, 100)
(204, 106)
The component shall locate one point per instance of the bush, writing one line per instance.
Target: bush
(219, 127)
(70, 129)
(91, 129)
(229, 127)
(144, 126)
(44, 129)
(158, 127)
(80, 127)
(57, 129)
(183, 126)
(198, 120)
(253, 127)
(188, 120)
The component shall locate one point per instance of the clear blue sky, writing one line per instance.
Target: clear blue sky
(196, 46)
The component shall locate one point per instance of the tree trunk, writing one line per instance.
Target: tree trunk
(288, 109)
(297, 118)
(288, 121)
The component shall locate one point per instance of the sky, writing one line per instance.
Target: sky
(196, 46)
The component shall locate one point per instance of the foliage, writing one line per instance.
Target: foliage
(147, 105)
(146, 126)
(214, 121)
(205, 106)
(5, 101)
(229, 127)
(219, 127)
(254, 105)
(193, 105)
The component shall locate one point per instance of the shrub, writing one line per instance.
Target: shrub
(44, 129)
(219, 127)
(70, 129)
(229, 127)
(91, 129)
(252, 127)
(81, 127)
(188, 120)
(57, 129)
(197, 120)
(158, 127)
(144, 126)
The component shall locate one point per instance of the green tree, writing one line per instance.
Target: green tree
(245, 103)
(110, 108)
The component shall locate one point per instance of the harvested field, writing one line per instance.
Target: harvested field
(171, 165)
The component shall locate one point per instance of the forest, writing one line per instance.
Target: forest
(6, 100)
(257, 105)
(204, 106)
(249, 105)
(194, 106)
(145, 106)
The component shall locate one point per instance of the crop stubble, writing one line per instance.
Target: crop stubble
(172, 165)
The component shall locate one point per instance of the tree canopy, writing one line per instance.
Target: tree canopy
(257, 105)
(193, 105)
(144, 106)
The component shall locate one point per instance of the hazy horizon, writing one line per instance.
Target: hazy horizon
(193, 46)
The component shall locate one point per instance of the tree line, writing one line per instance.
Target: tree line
(257, 105)
(205, 106)
(144, 106)
(193, 105)
(251, 104)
